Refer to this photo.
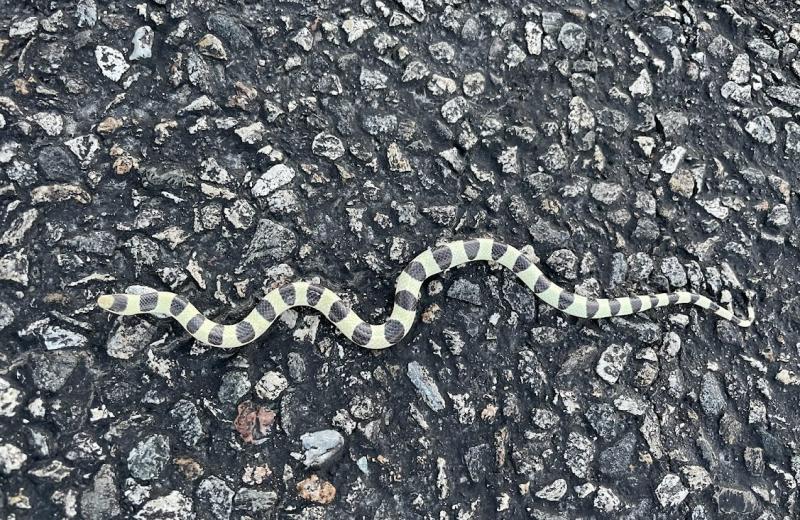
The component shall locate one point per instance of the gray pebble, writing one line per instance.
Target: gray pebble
(321, 447)
(148, 458)
(101, 501)
(187, 422)
(214, 499)
(572, 37)
(712, 397)
(564, 262)
(674, 271)
(736, 501)
(425, 386)
(235, 385)
(762, 130)
(255, 500)
(52, 369)
(327, 145)
(57, 164)
(616, 460)
(271, 241)
(465, 290)
(579, 454)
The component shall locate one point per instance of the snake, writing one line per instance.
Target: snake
(406, 300)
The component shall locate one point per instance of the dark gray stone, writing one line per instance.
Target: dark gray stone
(148, 458)
(101, 500)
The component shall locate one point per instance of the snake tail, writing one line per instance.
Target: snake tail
(406, 300)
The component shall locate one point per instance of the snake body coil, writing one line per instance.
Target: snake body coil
(406, 299)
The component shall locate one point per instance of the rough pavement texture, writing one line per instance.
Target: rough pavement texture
(221, 148)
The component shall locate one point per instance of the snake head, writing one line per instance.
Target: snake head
(105, 301)
(117, 303)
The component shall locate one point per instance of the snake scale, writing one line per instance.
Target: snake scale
(406, 299)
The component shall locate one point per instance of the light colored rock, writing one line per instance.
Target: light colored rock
(440, 85)
(572, 37)
(454, 109)
(415, 70)
(316, 490)
(612, 362)
(580, 117)
(14, 267)
(696, 477)
(787, 377)
(241, 214)
(51, 122)
(553, 492)
(212, 46)
(59, 193)
(414, 8)
(426, 386)
(274, 178)
(740, 69)
(474, 84)
(304, 38)
(86, 13)
(786, 94)
(397, 160)
(579, 454)
(742, 94)
(606, 501)
(85, 147)
(321, 447)
(671, 161)
(15, 235)
(56, 337)
(682, 183)
(714, 208)
(761, 129)
(642, 86)
(24, 28)
(606, 192)
(508, 160)
(10, 399)
(792, 138)
(670, 492)
(173, 506)
(111, 62)
(129, 339)
(11, 458)
(515, 56)
(142, 44)
(372, 79)
(271, 240)
(252, 133)
(327, 145)
(356, 27)
(271, 385)
(533, 38)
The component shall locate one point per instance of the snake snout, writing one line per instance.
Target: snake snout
(105, 301)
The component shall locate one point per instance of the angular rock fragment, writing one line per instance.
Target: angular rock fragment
(111, 62)
(321, 447)
(314, 489)
(670, 492)
(270, 240)
(762, 130)
(142, 44)
(148, 458)
(425, 386)
(327, 145)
